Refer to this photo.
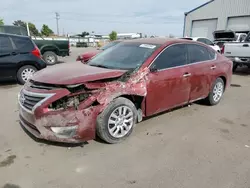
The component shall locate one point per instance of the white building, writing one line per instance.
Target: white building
(217, 15)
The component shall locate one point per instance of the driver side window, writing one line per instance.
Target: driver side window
(171, 57)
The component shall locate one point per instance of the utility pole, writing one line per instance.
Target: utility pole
(57, 19)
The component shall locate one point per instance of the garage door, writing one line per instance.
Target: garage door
(204, 28)
(239, 23)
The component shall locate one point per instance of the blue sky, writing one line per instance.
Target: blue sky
(151, 17)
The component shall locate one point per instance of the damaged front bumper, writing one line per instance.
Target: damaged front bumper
(64, 125)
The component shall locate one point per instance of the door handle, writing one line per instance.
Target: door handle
(245, 45)
(187, 75)
(213, 67)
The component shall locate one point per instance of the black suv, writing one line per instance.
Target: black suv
(19, 58)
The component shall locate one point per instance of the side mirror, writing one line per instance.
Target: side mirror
(153, 69)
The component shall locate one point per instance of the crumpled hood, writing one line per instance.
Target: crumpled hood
(74, 73)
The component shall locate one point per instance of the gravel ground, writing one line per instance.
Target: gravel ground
(194, 146)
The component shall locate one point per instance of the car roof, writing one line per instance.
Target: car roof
(159, 41)
(13, 35)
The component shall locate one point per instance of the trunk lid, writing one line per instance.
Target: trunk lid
(74, 73)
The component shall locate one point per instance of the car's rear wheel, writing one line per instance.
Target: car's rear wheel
(117, 121)
(25, 73)
(50, 58)
(216, 92)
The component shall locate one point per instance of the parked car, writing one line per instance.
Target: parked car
(19, 58)
(238, 52)
(88, 55)
(225, 36)
(205, 41)
(81, 44)
(119, 87)
(50, 48)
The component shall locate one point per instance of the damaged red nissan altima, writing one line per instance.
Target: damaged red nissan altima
(107, 96)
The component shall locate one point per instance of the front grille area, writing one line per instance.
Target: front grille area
(29, 100)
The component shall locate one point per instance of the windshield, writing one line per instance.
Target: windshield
(109, 45)
(124, 56)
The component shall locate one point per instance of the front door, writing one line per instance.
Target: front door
(169, 80)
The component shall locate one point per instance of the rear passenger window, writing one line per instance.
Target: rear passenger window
(5, 44)
(172, 56)
(212, 54)
(23, 43)
(199, 53)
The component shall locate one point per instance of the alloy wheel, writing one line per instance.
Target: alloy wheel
(218, 91)
(120, 121)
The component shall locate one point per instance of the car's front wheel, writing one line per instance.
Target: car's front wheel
(117, 121)
(216, 92)
(25, 73)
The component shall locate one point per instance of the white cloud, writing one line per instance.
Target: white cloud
(147, 16)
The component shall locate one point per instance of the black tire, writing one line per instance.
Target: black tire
(20, 72)
(235, 66)
(210, 99)
(102, 120)
(50, 58)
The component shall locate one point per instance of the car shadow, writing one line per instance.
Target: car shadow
(8, 84)
(242, 71)
(46, 142)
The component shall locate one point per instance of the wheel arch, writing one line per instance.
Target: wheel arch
(24, 63)
(224, 80)
(49, 48)
(136, 99)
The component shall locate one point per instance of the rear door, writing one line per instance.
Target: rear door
(169, 84)
(201, 65)
(7, 58)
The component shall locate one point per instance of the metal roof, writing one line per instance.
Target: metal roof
(186, 13)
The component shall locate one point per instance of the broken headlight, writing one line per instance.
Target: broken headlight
(67, 102)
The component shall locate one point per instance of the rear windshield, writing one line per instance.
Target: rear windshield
(13, 30)
(124, 56)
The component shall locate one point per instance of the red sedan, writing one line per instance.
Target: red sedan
(84, 58)
(119, 87)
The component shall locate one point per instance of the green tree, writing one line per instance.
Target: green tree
(19, 23)
(113, 35)
(84, 34)
(46, 31)
(32, 27)
(1, 22)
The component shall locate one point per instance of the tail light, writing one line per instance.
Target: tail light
(223, 49)
(36, 52)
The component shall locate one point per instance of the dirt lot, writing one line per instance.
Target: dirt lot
(195, 146)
